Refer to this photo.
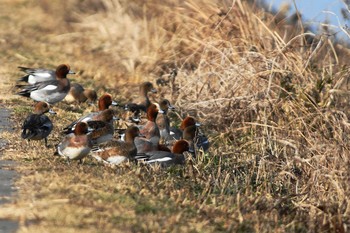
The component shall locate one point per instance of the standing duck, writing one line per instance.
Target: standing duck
(38, 126)
(50, 91)
(36, 75)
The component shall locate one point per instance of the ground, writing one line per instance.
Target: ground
(274, 108)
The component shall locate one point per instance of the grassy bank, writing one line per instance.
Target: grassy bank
(274, 105)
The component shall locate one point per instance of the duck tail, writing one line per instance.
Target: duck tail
(22, 68)
(68, 129)
(24, 92)
(24, 79)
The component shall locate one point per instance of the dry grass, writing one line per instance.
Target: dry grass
(274, 107)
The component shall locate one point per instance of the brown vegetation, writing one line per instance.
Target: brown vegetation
(275, 109)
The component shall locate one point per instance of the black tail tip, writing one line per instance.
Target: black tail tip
(23, 93)
(24, 79)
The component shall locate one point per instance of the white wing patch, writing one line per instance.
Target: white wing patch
(165, 159)
(49, 87)
(43, 75)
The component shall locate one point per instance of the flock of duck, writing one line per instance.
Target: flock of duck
(151, 140)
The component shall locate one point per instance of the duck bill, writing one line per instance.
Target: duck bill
(198, 124)
(153, 90)
(136, 120)
(171, 108)
(52, 111)
(114, 103)
(71, 72)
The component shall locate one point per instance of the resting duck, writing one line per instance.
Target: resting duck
(103, 103)
(193, 135)
(38, 126)
(79, 94)
(163, 121)
(102, 127)
(116, 151)
(77, 145)
(50, 91)
(169, 158)
(142, 102)
(150, 133)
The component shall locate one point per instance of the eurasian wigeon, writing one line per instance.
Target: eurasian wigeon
(142, 102)
(103, 103)
(116, 151)
(38, 126)
(193, 135)
(177, 133)
(163, 121)
(151, 136)
(77, 145)
(102, 128)
(169, 158)
(79, 94)
(51, 91)
(35, 75)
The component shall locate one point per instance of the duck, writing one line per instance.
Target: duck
(104, 102)
(193, 135)
(162, 120)
(50, 91)
(177, 133)
(150, 132)
(165, 159)
(117, 151)
(78, 93)
(142, 102)
(77, 145)
(35, 75)
(102, 127)
(38, 126)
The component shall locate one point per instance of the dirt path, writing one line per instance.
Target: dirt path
(7, 174)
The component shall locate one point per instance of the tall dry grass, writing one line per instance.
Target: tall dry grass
(274, 106)
(277, 129)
